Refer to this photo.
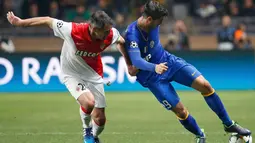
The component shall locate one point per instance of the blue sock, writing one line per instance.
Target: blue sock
(217, 106)
(191, 125)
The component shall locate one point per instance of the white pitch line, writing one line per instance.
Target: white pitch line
(107, 133)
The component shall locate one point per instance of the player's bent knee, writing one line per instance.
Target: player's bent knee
(88, 104)
(208, 86)
(180, 111)
(86, 101)
(208, 90)
(182, 114)
(203, 86)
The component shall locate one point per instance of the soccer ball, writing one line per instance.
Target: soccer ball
(234, 138)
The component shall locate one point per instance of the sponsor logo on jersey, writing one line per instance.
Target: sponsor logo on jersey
(85, 53)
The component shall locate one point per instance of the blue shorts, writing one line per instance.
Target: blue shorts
(164, 91)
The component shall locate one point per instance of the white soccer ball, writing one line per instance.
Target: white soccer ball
(234, 138)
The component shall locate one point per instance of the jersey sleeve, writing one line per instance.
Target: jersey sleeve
(62, 29)
(116, 35)
(134, 53)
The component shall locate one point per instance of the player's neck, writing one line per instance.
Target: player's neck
(93, 38)
(142, 25)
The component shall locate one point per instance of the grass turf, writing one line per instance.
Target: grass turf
(132, 117)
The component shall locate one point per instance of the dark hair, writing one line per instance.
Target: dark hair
(99, 19)
(155, 10)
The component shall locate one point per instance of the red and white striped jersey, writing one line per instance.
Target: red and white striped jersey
(80, 55)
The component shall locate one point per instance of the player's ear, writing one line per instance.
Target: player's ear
(149, 19)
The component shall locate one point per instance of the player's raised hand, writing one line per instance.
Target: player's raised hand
(14, 20)
(161, 68)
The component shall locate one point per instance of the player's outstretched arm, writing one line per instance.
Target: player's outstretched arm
(36, 21)
(140, 63)
(120, 46)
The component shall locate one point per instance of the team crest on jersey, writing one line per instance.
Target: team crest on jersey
(133, 44)
(152, 44)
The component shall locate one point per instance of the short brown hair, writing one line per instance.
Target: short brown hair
(99, 19)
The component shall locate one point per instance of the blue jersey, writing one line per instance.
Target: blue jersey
(145, 51)
(147, 43)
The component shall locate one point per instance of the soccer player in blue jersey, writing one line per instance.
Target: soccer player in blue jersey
(157, 68)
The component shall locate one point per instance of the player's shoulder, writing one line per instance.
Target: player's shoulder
(132, 28)
(115, 31)
(132, 31)
(58, 23)
(80, 25)
(80, 31)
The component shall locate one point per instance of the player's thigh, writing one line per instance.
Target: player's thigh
(165, 93)
(186, 75)
(79, 91)
(97, 89)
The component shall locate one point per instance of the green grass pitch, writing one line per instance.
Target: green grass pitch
(132, 117)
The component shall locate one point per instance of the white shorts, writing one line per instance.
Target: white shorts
(78, 86)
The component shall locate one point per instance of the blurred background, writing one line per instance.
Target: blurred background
(191, 25)
(216, 36)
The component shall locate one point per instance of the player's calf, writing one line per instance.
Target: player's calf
(215, 103)
(86, 100)
(99, 116)
(212, 99)
(98, 122)
(85, 117)
(187, 120)
(87, 104)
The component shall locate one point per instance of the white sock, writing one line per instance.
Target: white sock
(85, 118)
(97, 130)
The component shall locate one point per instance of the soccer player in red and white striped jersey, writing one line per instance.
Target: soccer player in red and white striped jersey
(81, 64)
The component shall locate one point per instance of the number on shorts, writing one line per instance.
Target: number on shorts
(166, 104)
(82, 86)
